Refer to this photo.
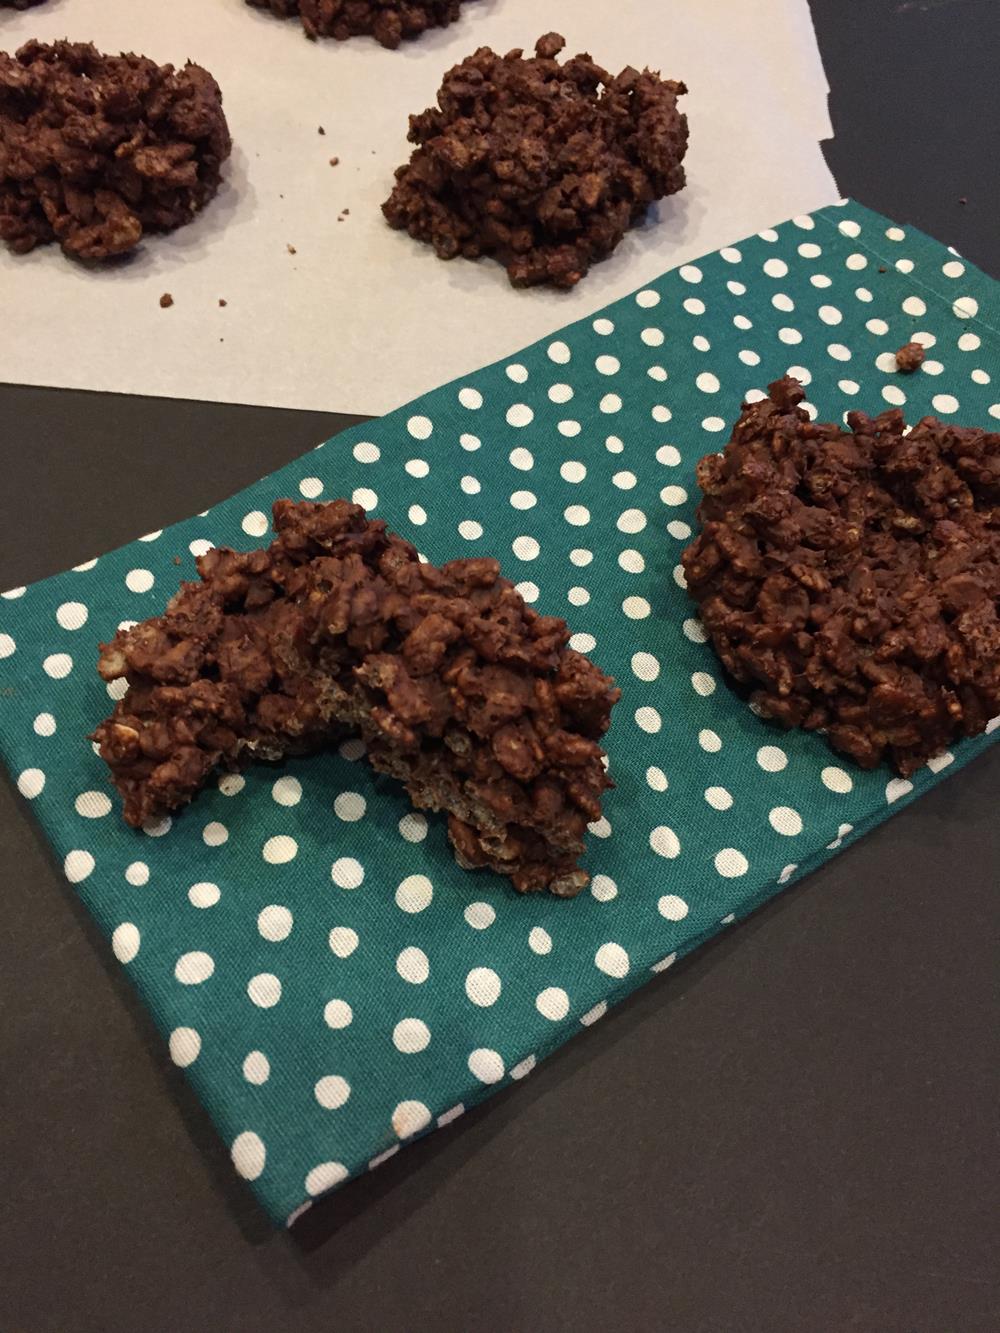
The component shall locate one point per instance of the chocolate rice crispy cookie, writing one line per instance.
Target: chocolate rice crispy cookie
(850, 578)
(543, 165)
(459, 689)
(97, 150)
(388, 21)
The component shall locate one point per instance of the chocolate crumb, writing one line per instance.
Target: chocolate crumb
(97, 151)
(388, 21)
(223, 301)
(460, 690)
(321, 130)
(166, 301)
(962, 199)
(850, 578)
(542, 165)
(292, 250)
(881, 268)
(909, 357)
(177, 560)
(334, 161)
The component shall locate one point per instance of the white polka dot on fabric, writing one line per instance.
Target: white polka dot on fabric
(694, 306)
(231, 784)
(775, 268)
(420, 427)
(539, 940)
(583, 643)
(483, 986)
(809, 251)
(877, 326)
(522, 459)
(829, 314)
(30, 783)
(323, 1177)
(632, 562)
(749, 357)
(347, 872)
(966, 307)
(783, 819)
(413, 966)
(256, 1068)
(279, 849)
(612, 960)
(652, 337)
(656, 778)
(44, 724)
(577, 515)
(480, 915)
(892, 393)
(411, 1035)
(471, 530)
(560, 393)
(945, 403)
(610, 403)
(886, 362)
(636, 608)
(836, 780)
(578, 596)
(552, 1003)
(337, 1014)
(772, 759)
(528, 590)
(185, 1046)
(249, 1154)
(519, 415)
(332, 1091)
(92, 805)
(600, 828)
(275, 922)
(673, 495)
(607, 365)
(703, 683)
(969, 342)
(72, 615)
(264, 990)
(525, 548)
(731, 863)
(417, 467)
(215, 834)
(516, 373)
(718, 798)
(413, 827)
(470, 398)
(78, 865)
(125, 942)
(856, 262)
(470, 442)
(647, 299)
(365, 497)
(366, 452)
(672, 908)
(603, 327)
(645, 666)
(713, 424)
(581, 556)
(953, 269)
(311, 487)
(665, 842)
(204, 894)
(287, 791)
(254, 524)
(350, 806)
(486, 1065)
(742, 322)
(414, 893)
(12, 594)
(631, 521)
(137, 873)
(731, 255)
(570, 429)
(768, 234)
(56, 665)
(707, 382)
(603, 888)
(648, 719)
(709, 741)
(572, 471)
(191, 969)
(913, 305)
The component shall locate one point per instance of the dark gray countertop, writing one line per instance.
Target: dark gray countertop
(794, 1130)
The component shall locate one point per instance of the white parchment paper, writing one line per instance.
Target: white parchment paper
(360, 318)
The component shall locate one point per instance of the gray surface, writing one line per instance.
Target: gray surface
(795, 1130)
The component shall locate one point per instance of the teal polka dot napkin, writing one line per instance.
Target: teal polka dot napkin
(332, 983)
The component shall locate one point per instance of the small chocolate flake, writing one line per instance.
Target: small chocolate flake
(166, 301)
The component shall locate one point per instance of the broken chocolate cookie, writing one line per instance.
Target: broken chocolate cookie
(96, 150)
(388, 21)
(850, 578)
(543, 165)
(459, 689)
